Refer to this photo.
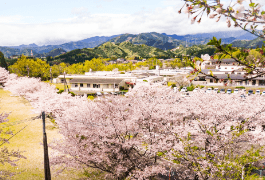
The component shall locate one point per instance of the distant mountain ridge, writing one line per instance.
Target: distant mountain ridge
(238, 34)
(154, 39)
(203, 38)
(39, 51)
(158, 40)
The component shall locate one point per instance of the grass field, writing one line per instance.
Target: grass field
(28, 140)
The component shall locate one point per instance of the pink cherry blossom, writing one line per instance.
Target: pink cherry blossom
(219, 10)
(125, 136)
(211, 16)
(228, 22)
(239, 11)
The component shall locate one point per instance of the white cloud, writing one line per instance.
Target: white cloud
(10, 19)
(85, 25)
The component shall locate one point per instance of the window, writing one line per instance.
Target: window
(88, 85)
(62, 81)
(76, 85)
(211, 80)
(116, 85)
(96, 85)
(81, 85)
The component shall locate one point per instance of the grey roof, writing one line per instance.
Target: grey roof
(239, 70)
(224, 76)
(259, 78)
(224, 60)
(213, 70)
(94, 81)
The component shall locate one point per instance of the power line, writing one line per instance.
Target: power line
(15, 134)
(18, 122)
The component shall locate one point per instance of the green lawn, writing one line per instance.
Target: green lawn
(60, 86)
(28, 140)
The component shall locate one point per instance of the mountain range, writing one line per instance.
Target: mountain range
(161, 41)
(125, 50)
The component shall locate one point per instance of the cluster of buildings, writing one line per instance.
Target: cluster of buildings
(224, 70)
(111, 81)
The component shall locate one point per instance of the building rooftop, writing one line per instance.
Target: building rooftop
(100, 81)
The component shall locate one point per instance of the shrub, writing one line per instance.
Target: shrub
(145, 81)
(73, 94)
(190, 88)
(240, 87)
(173, 85)
(60, 91)
(121, 88)
(90, 97)
(180, 88)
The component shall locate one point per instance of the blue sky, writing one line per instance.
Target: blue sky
(59, 21)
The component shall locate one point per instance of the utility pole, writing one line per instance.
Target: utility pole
(51, 74)
(64, 81)
(28, 69)
(47, 171)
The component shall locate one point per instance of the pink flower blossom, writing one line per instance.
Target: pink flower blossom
(193, 19)
(219, 10)
(211, 16)
(239, 11)
(218, 18)
(228, 22)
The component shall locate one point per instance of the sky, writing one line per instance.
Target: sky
(53, 22)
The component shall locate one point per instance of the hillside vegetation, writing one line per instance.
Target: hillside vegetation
(113, 51)
(258, 42)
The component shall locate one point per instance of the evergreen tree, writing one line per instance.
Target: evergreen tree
(3, 61)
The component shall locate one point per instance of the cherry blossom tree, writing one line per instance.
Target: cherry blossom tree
(246, 14)
(109, 134)
(109, 141)
(3, 75)
(215, 136)
(204, 136)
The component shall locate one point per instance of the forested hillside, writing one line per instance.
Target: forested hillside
(110, 50)
(258, 42)
(150, 39)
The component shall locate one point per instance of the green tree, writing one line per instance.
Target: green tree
(31, 68)
(2, 61)
(96, 64)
